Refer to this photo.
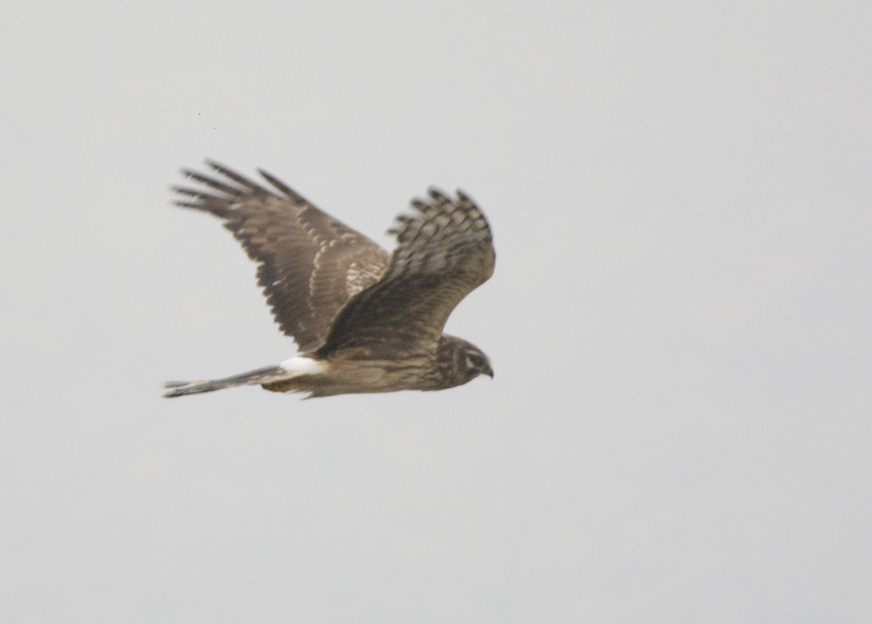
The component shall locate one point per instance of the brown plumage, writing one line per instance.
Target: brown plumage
(364, 320)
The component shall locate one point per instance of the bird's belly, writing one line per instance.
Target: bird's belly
(370, 376)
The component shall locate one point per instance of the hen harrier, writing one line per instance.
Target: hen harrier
(364, 320)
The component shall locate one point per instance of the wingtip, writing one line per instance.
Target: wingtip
(281, 186)
(462, 196)
(437, 193)
(224, 170)
(418, 204)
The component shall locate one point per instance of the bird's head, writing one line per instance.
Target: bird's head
(462, 361)
(477, 363)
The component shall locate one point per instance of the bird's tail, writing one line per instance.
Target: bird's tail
(260, 376)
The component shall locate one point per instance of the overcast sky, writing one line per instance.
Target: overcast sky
(680, 425)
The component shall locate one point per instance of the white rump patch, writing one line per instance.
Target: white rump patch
(299, 365)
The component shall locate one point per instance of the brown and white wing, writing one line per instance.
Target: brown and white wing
(445, 251)
(309, 264)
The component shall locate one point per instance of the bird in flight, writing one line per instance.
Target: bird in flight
(364, 320)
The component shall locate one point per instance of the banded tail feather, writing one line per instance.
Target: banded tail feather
(257, 377)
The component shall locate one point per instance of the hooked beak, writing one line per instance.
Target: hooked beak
(488, 371)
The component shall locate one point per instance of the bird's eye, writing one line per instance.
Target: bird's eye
(473, 360)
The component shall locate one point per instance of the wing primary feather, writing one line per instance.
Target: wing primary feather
(284, 188)
(217, 206)
(212, 183)
(183, 190)
(439, 194)
(239, 179)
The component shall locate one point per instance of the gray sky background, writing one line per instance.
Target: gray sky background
(680, 423)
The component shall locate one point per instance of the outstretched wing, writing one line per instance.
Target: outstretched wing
(445, 251)
(309, 264)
